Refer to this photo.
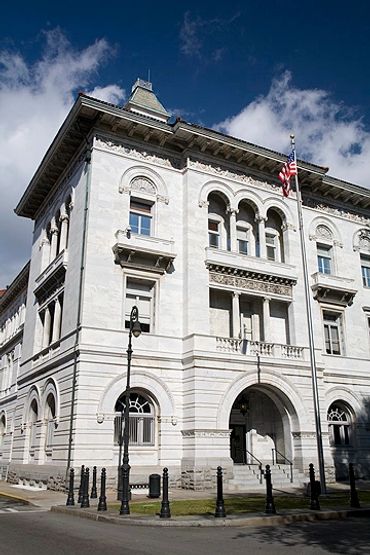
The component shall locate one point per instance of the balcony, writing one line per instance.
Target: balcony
(253, 274)
(261, 348)
(333, 289)
(141, 251)
(52, 276)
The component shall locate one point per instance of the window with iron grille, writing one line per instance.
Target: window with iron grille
(141, 420)
(339, 424)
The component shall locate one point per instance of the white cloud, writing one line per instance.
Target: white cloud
(34, 100)
(327, 133)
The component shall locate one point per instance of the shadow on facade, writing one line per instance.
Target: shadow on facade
(350, 438)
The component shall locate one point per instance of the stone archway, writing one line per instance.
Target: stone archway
(260, 424)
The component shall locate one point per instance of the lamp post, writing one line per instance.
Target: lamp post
(134, 330)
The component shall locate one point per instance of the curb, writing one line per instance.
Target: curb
(253, 520)
(16, 498)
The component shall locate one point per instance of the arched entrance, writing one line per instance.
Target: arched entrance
(260, 427)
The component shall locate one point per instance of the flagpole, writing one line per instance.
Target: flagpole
(315, 391)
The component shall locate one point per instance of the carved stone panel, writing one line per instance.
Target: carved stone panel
(250, 284)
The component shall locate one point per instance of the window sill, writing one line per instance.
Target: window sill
(46, 353)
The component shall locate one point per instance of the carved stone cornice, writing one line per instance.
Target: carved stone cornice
(341, 211)
(250, 280)
(223, 171)
(138, 153)
(206, 433)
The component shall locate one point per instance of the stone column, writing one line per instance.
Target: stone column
(54, 243)
(45, 251)
(256, 327)
(232, 225)
(236, 314)
(266, 319)
(63, 232)
(262, 235)
(46, 331)
(57, 319)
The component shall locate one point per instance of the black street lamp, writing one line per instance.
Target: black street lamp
(134, 330)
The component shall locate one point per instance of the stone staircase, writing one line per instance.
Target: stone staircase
(247, 477)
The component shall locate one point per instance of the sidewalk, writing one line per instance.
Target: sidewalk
(250, 519)
(46, 498)
(55, 501)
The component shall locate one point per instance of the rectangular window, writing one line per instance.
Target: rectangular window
(140, 293)
(213, 234)
(140, 217)
(333, 333)
(324, 259)
(270, 247)
(242, 237)
(365, 270)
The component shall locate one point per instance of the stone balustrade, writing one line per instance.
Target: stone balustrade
(264, 349)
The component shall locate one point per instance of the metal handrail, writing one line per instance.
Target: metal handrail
(275, 452)
(258, 462)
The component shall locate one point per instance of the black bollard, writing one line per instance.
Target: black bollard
(270, 505)
(70, 498)
(353, 500)
(165, 506)
(102, 505)
(220, 505)
(314, 504)
(94, 493)
(79, 500)
(85, 503)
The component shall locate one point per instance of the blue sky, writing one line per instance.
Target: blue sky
(254, 70)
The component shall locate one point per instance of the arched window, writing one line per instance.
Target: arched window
(218, 222)
(361, 244)
(2, 429)
(33, 418)
(50, 422)
(246, 230)
(339, 423)
(274, 236)
(324, 245)
(141, 421)
(143, 194)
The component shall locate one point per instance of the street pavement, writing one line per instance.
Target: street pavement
(11, 505)
(33, 533)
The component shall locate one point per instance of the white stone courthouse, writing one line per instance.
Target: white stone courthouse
(190, 225)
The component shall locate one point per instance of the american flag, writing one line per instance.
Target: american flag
(286, 172)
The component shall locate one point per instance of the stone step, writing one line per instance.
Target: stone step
(247, 478)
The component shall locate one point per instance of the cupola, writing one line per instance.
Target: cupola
(143, 101)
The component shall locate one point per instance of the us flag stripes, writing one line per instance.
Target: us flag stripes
(286, 172)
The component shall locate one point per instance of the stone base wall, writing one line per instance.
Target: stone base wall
(43, 476)
(203, 478)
